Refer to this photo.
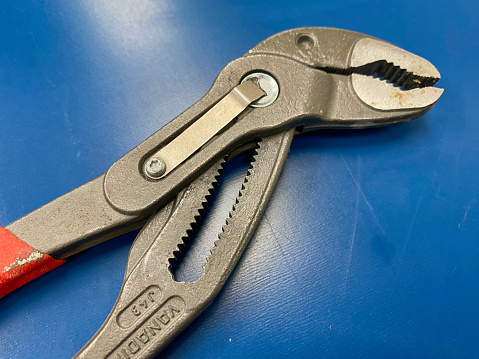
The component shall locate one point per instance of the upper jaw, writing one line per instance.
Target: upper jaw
(394, 84)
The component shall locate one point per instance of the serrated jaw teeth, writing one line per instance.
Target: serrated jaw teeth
(403, 80)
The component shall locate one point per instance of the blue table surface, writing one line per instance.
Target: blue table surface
(369, 247)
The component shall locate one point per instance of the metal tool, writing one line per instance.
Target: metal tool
(298, 80)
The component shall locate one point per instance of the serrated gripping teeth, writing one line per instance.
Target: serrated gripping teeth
(395, 79)
(153, 307)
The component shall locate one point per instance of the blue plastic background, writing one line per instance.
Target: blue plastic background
(369, 247)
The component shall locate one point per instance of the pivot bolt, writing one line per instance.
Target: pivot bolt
(155, 167)
(268, 84)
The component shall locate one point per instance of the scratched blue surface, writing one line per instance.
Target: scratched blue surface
(370, 245)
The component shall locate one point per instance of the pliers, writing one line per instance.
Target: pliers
(296, 81)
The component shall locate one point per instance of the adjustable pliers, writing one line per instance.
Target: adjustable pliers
(296, 81)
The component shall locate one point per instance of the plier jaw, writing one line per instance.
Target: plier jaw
(372, 82)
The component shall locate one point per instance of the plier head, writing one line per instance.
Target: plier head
(348, 79)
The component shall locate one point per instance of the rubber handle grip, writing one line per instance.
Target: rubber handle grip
(20, 263)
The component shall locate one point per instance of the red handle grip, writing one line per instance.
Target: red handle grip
(20, 263)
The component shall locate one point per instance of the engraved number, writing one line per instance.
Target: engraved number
(135, 310)
(143, 303)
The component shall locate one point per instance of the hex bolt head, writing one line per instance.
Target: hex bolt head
(268, 84)
(155, 167)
